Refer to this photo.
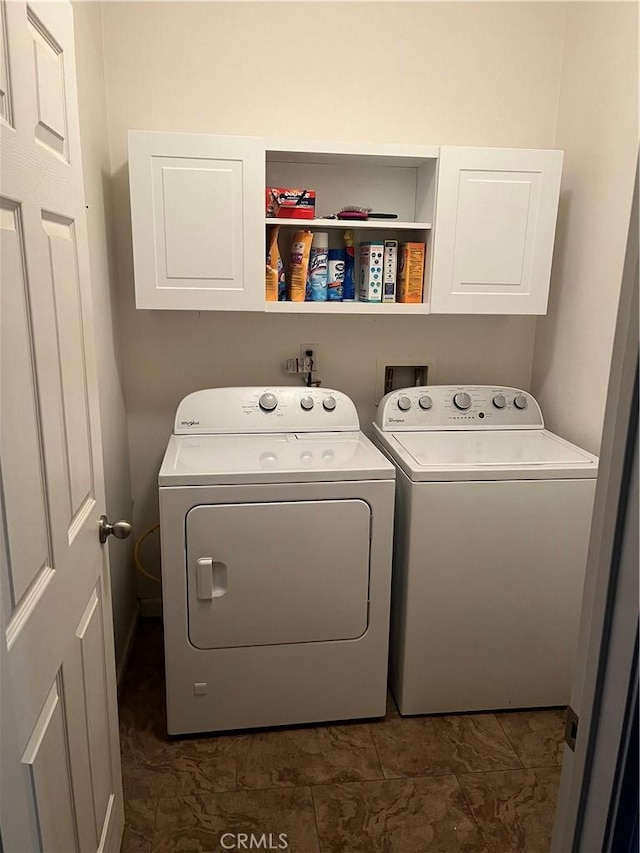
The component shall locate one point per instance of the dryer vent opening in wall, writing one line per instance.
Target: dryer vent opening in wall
(404, 376)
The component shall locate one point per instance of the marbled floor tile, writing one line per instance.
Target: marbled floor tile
(139, 822)
(514, 808)
(307, 756)
(536, 736)
(426, 815)
(154, 765)
(433, 746)
(198, 823)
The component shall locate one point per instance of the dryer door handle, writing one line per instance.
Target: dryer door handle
(211, 579)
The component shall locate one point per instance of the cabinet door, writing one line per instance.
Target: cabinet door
(197, 212)
(495, 224)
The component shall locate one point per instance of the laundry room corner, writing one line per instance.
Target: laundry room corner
(598, 131)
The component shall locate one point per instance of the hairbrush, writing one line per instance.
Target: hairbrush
(352, 211)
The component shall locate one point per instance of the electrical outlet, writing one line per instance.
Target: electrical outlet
(313, 348)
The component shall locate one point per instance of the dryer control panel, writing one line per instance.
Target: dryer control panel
(265, 410)
(464, 407)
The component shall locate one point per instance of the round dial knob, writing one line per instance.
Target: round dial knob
(520, 401)
(499, 401)
(307, 403)
(462, 400)
(268, 402)
(404, 404)
(425, 402)
(329, 404)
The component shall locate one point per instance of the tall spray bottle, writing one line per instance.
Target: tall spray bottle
(349, 287)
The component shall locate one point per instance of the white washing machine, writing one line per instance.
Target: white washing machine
(276, 518)
(492, 528)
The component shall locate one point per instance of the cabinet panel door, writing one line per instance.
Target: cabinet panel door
(197, 211)
(495, 226)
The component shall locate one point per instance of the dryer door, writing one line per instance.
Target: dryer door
(280, 572)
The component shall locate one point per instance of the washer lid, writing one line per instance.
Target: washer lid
(203, 460)
(498, 454)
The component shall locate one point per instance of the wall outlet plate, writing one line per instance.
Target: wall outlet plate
(304, 348)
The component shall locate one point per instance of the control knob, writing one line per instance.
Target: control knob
(499, 401)
(306, 403)
(462, 400)
(329, 404)
(268, 402)
(404, 404)
(520, 401)
(425, 402)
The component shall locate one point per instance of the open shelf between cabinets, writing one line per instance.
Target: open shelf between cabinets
(352, 224)
(338, 308)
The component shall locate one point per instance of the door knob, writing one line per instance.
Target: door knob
(119, 529)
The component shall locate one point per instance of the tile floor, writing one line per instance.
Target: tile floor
(471, 783)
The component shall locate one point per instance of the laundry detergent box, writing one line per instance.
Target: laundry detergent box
(371, 255)
(389, 270)
(290, 203)
(411, 272)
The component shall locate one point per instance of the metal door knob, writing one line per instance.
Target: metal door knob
(119, 529)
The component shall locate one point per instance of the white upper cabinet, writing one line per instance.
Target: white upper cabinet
(200, 225)
(495, 223)
(197, 210)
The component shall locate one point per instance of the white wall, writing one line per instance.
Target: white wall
(457, 73)
(598, 129)
(97, 182)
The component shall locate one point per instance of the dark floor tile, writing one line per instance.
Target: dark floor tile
(536, 736)
(432, 746)
(396, 816)
(139, 822)
(515, 808)
(154, 765)
(148, 644)
(197, 823)
(307, 756)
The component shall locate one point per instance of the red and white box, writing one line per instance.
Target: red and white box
(290, 203)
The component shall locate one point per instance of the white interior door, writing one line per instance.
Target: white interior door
(61, 786)
(495, 226)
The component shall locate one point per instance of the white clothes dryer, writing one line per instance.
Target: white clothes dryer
(276, 518)
(492, 527)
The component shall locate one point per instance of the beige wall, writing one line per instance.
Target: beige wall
(97, 181)
(452, 73)
(598, 129)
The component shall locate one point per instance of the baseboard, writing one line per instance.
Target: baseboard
(121, 666)
(151, 608)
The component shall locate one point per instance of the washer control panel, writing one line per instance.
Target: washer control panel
(440, 407)
(265, 410)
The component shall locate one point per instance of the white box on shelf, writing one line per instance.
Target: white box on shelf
(371, 254)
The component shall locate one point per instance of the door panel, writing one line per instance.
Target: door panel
(22, 470)
(282, 572)
(51, 128)
(495, 228)
(47, 758)
(60, 738)
(61, 244)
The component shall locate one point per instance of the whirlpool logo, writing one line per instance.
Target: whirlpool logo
(189, 423)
